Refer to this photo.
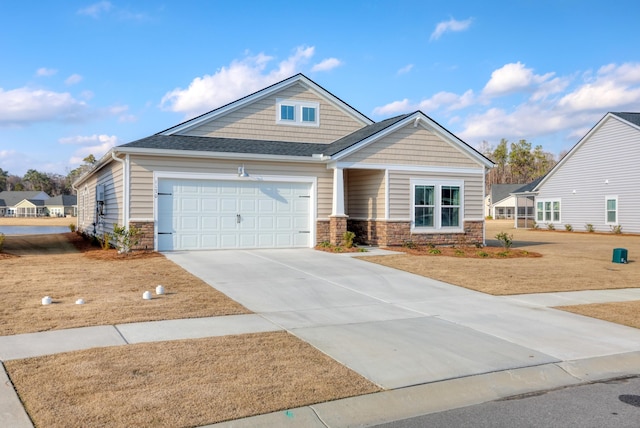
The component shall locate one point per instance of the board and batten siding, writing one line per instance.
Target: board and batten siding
(111, 177)
(400, 192)
(258, 121)
(605, 164)
(365, 194)
(143, 167)
(412, 146)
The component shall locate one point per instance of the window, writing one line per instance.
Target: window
(612, 210)
(308, 114)
(297, 112)
(287, 112)
(548, 211)
(436, 205)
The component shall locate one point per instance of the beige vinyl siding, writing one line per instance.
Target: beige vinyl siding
(364, 195)
(400, 193)
(412, 146)
(605, 164)
(258, 121)
(111, 177)
(143, 167)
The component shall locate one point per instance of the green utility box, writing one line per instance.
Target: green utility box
(620, 255)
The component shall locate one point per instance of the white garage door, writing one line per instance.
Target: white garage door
(208, 214)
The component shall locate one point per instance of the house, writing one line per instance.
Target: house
(62, 206)
(501, 204)
(22, 203)
(597, 182)
(291, 165)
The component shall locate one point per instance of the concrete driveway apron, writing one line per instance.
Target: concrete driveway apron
(395, 328)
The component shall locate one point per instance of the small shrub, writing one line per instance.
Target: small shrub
(324, 244)
(589, 227)
(409, 244)
(551, 226)
(105, 244)
(1, 240)
(338, 249)
(568, 228)
(503, 254)
(362, 250)
(482, 254)
(489, 217)
(505, 239)
(617, 229)
(348, 238)
(459, 253)
(72, 227)
(124, 238)
(524, 253)
(434, 251)
(536, 225)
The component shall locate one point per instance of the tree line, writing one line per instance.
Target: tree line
(50, 183)
(516, 163)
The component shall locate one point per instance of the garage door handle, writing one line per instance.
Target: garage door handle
(165, 233)
(238, 218)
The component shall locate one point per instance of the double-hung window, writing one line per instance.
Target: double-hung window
(548, 211)
(436, 205)
(297, 112)
(612, 210)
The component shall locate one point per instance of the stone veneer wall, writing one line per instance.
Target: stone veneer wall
(145, 240)
(337, 228)
(322, 231)
(390, 233)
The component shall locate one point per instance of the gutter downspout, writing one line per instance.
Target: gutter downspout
(125, 187)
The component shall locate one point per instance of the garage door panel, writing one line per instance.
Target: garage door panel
(203, 214)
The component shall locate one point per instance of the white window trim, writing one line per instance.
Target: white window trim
(437, 227)
(606, 210)
(545, 221)
(297, 112)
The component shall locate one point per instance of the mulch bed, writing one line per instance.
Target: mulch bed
(467, 252)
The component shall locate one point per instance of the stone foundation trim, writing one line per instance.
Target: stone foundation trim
(337, 228)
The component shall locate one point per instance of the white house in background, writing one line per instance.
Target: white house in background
(22, 203)
(501, 204)
(598, 181)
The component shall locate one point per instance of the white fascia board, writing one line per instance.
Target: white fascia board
(216, 155)
(104, 160)
(409, 168)
(221, 111)
(426, 123)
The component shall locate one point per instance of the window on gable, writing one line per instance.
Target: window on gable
(297, 112)
(287, 112)
(436, 205)
(612, 210)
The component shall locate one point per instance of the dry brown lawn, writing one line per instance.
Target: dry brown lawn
(38, 221)
(180, 383)
(570, 261)
(625, 313)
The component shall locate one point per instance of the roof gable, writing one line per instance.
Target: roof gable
(12, 198)
(298, 79)
(503, 191)
(631, 119)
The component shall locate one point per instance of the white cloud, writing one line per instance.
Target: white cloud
(448, 26)
(95, 144)
(447, 101)
(514, 77)
(25, 105)
(404, 70)
(96, 9)
(73, 79)
(327, 64)
(242, 77)
(45, 72)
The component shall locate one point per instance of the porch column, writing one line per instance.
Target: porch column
(338, 219)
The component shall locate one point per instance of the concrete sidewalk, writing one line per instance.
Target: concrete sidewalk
(431, 345)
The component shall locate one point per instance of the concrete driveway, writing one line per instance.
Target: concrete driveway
(398, 329)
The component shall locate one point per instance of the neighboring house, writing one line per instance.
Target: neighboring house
(597, 182)
(501, 204)
(291, 165)
(62, 206)
(22, 203)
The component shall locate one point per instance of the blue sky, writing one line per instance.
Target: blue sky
(78, 77)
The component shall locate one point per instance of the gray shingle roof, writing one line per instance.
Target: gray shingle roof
(502, 191)
(64, 200)
(629, 117)
(245, 146)
(12, 198)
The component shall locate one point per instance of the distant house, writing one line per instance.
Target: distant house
(291, 165)
(597, 182)
(501, 204)
(62, 206)
(22, 203)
